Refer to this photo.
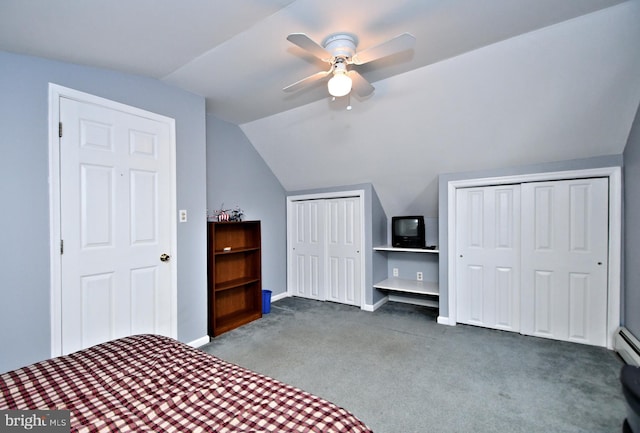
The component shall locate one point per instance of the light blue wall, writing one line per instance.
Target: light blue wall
(443, 203)
(24, 194)
(238, 176)
(632, 229)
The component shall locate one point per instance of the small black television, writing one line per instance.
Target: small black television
(407, 231)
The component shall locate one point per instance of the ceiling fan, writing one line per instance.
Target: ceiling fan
(339, 50)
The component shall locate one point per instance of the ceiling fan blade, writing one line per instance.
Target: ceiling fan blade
(401, 42)
(308, 44)
(360, 85)
(306, 81)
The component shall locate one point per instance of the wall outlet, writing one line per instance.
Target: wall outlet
(182, 215)
(395, 272)
(419, 276)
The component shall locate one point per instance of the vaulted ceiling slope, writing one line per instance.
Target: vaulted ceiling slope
(489, 84)
(235, 53)
(563, 92)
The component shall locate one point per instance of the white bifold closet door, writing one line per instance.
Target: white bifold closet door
(325, 250)
(564, 259)
(307, 249)
(532, 258)
(488, 230)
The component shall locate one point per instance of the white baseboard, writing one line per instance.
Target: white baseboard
(199, 342)
(627, 346)
(279, 296)
(365, 307)
(374, 307)
(443, 320)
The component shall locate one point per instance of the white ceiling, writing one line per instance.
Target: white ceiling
(235, 53)
(489, 83)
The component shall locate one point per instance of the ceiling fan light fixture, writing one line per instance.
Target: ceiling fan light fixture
(340, 83)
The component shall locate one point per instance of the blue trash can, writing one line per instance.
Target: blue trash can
(266, 301)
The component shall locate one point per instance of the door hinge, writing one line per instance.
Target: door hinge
(61, 246)
(60, 129)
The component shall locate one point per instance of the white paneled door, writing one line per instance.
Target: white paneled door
(115, 206)
(307, 249)
(325, 249)
(565, 260)
(343, 250)
(488, 246)
(532, 258)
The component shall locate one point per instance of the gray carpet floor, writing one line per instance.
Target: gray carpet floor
(400, 372)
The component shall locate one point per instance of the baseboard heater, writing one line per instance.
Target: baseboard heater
(627, 346)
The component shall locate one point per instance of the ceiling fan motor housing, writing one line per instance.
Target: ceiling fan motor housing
(341, 45)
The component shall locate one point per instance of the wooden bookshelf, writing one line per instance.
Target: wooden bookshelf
(234, 268)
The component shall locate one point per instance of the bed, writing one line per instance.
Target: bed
(153, 383)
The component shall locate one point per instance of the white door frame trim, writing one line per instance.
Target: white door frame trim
(322, 196)
(55, 93)
(614, 174)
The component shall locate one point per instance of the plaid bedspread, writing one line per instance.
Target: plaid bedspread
(149, 383)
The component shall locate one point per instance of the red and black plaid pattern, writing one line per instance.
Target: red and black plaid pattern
(157, 384)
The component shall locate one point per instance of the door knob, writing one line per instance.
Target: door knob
(164, 258)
